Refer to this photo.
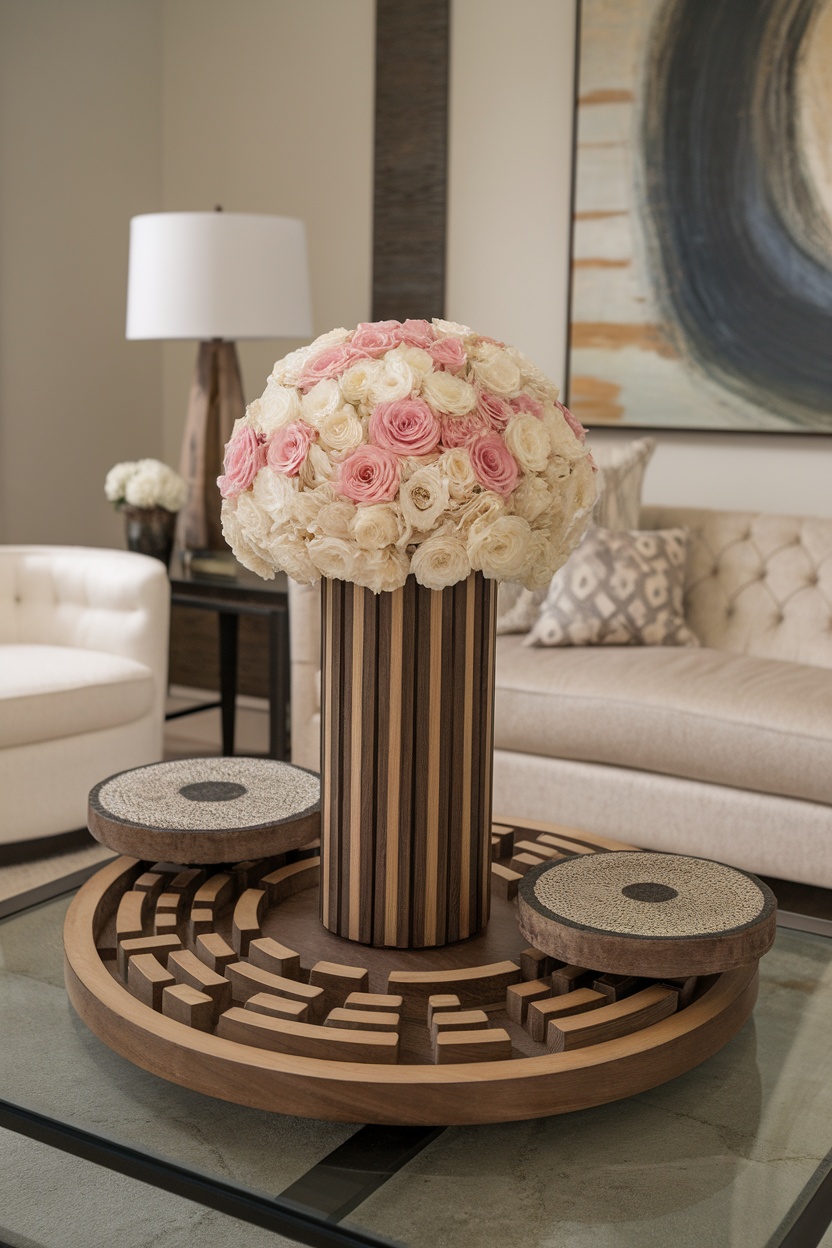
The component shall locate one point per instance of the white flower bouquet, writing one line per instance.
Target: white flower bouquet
(145, 483)
(407, 447)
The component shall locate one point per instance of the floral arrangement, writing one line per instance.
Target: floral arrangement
(407, 447)
(145, 483)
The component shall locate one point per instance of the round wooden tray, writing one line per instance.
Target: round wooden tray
(226, 982)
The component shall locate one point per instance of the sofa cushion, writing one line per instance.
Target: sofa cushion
(751, 723)
(60, 691)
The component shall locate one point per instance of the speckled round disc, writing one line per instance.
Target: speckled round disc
(642, 913)
(207, 810)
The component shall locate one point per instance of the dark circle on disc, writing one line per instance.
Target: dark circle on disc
(649, 892)
(212, 791)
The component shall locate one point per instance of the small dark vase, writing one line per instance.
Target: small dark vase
(150, 530)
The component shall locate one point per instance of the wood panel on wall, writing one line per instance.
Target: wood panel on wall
(411, 156)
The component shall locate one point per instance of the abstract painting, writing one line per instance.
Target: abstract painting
(701, 290)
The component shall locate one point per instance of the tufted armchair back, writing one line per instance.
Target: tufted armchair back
(107, 600)
(756, 583)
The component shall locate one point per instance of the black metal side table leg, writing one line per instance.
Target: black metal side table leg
(278, 682)
(229, 623)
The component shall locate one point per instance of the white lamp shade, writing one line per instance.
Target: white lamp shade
(224, 275)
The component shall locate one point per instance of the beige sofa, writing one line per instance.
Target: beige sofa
(723, 750)
(83, 674)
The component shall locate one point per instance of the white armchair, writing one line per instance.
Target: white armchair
(83, 677)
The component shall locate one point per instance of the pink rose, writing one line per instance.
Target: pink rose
(525, 403)
(573, 422)
(448, 353)
(460, 430)
(330, 362)
(495, 410)
(369, 475)
(374, 338)
(245, 455)
(289, 447)
(493, 463)
(406, 426)
(417, 334)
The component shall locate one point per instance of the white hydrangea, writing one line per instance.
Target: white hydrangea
(146, 483)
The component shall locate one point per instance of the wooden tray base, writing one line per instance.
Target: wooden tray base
(225, 981)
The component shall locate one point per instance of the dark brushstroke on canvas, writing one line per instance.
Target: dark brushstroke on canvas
(736, 231)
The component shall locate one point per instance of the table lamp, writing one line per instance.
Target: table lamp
(215, 276)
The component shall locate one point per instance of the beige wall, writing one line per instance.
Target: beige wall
(268, 107)
(80, 152)
(510, 168)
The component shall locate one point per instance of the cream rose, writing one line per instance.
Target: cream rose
(356, 382)
(321, 401)
(495, 370)
(335, 519)
(277, 406)
(483, 506)
(500, 549)
(451, 329)
(317, 468)
(382, 571)
(396, 380)
(377, 525)
(289, 552)
(440, 560)
(562, 440)
(275, 494)
(333, 557)
(424, 497)
(417, 359)
(449, 394)
(237, 537)
(455, 467)
(528, 440)
(531, 498)
(341, 431)
(537, 571)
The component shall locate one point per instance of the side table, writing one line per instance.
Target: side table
(231, 596)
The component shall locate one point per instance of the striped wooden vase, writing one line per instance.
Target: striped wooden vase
(407, 697)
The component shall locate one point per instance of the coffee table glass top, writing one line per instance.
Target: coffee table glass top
(728, 1154)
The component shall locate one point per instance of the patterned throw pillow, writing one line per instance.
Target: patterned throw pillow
(620, 474)
(618, 589)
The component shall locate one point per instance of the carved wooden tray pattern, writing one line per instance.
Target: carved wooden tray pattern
(224, 980)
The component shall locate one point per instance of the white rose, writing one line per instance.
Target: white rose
(357, 381)
(288, 552)
(531, 497)
(419, 362)
(333, 557)
(341, 431)
(249, 555)
(321, 401)
(377, 525)
(382, 571)
(495, 370)
(455, 467)
(484, 506)
(317, 467)
(440, 560)
(424, 497)
(306, 507)
(500, 548)
(538, 569)
(449, 394)
(335, 519)
(277, 406)
(287, 371)
(528, 440)
(396, 380)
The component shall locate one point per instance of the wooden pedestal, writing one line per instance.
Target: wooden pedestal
(225, 981)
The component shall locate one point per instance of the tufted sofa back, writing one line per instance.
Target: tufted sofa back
(756, 583)
(90, 599)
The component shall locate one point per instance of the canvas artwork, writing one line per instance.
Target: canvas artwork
(702, 246)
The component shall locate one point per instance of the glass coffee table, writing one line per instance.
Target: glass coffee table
(737, 1152)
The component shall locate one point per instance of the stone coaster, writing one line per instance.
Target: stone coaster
(643, 913)
(207, 810)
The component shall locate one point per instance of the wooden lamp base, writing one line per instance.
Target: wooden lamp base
(215, 402)
(226, 982)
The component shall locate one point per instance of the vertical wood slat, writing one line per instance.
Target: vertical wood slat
(407, 738)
